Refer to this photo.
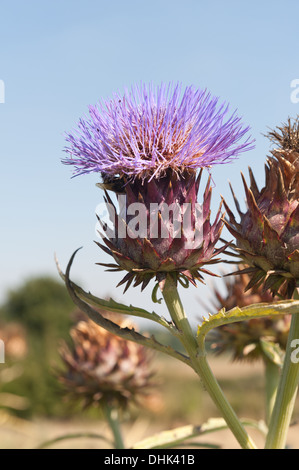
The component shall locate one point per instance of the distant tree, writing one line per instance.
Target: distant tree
(43, 306)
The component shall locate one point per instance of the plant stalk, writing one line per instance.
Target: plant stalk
(286, 393)
(272, 374)
(111, 415)
(200, 364)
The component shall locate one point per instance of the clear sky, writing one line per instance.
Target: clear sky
(59, 56)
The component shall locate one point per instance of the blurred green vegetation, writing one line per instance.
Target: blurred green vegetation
(43, 307)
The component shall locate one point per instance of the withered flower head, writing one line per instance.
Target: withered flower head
(286, 151)
(104, 369)
(286, 137)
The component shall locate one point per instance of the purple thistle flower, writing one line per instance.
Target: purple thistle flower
(149, 130)
(147, 145)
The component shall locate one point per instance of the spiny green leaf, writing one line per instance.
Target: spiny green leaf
(113, 306)
(239, 314)
(126, 333)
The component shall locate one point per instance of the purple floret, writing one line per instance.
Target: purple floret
(150, 129)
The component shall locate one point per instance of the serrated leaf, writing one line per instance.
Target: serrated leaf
(239, 314)
(126, 333)
(113, 306)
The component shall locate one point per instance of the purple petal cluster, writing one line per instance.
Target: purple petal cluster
(151, 129)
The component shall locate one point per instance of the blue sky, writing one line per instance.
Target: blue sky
(57, 57)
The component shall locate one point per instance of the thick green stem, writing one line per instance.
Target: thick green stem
(272, 374)
(111, 415)
(286, 394)
(200, 364)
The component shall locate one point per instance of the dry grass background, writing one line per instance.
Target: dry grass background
(181, 400)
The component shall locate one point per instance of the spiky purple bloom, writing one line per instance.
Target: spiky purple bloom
(156, 256)
(148, 145)
(149, 130)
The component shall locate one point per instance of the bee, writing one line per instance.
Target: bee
(112, 183)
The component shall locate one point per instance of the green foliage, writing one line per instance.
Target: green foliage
(42, 305)
(237, 314)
